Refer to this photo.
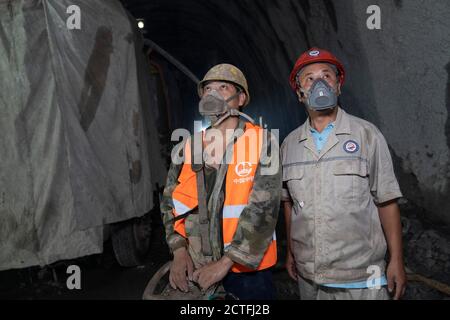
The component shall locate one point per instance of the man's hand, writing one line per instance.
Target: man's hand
(396, 278)
(389, 213)
(290, 266)
(213, 272)
(181, 264)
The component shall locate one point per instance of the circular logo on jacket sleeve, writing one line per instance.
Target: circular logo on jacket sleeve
(351, 146)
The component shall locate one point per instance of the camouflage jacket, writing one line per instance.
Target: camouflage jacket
(257, 221)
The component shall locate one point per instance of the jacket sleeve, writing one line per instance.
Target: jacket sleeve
(383, 182)
(258, 220)
(174, 239)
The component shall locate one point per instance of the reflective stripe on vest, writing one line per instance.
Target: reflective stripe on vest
(238, 186)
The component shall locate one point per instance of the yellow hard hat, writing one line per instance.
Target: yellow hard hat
(225, 72)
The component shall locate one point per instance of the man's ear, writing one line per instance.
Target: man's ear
(338, 91)
(242, 98)
(300, 95)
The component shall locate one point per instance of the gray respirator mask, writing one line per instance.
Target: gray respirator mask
(321, 96)
(216, 109)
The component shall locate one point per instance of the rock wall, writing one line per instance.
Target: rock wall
(398, 77)
(399, 80)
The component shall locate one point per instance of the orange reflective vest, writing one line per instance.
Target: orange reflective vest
(238, 186)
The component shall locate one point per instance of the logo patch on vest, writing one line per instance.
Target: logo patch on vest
(351, 146)
(243, 169)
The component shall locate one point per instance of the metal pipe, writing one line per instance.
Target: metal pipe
(172, 60)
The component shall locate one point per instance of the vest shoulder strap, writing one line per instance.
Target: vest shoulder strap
(197, 165)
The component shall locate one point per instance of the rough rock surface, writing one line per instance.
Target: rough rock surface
(397, 77)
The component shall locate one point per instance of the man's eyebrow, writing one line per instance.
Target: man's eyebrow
(323, 70)
(218, 82)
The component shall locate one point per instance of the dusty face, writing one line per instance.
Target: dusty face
(226, 90)
(316, 71)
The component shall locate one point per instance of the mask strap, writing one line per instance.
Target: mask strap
(233, 112)
(233, 96)
(221, 119)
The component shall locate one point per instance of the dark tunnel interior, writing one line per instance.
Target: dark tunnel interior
(384, 70)
(202, 34)
(264, 38)
(397, 77)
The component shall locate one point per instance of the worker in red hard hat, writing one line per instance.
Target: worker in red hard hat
(340, 194)
(317, 78)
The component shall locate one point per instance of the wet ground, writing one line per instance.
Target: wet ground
(103, 278)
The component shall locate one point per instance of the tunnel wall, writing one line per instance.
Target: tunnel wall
(397, 77)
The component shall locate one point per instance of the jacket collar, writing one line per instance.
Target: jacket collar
(341, 125)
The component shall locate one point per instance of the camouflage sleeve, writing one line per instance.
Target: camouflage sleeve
(258, 220)
(174, 239)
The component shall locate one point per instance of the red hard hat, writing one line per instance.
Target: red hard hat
(314, 55)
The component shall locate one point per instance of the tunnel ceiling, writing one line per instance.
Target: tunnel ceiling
(245, 33)
(397, 77)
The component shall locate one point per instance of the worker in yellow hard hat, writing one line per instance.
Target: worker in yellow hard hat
(220, 216)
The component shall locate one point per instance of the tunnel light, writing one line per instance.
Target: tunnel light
(203, 128)
(201, 125)
(141, 23)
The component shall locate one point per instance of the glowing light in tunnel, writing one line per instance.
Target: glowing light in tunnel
(141, 23)
(204, 124)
